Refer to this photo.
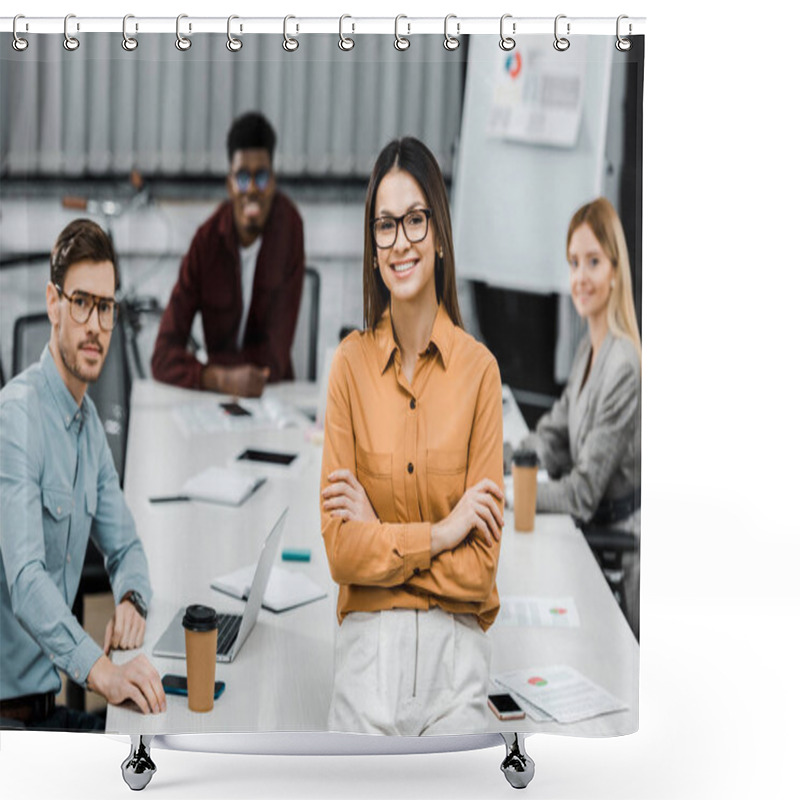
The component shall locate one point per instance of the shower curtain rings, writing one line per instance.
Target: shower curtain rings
(345, 42)
(233, 44)
(561, 43)
(129, 43)
(451, 42)
(507, 43)
(181, 42)
(290, 44)
(70, 42)
(18, 43)
(622, 44)
(400, 42)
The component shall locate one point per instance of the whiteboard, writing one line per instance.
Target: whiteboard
(513, 200)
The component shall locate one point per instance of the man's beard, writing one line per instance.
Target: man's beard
(74, 369)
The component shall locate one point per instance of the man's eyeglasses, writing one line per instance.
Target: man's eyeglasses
(415, 227)
(81, 305)
(243, 177)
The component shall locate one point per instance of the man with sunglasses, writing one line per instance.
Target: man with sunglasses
(58, 486)
(244, 274)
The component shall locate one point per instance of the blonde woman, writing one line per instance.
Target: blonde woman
(590, 441)
(411, 505)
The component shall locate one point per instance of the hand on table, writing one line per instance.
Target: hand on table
(346, 498)
(135, 680)
(125, 629)
(477, 509)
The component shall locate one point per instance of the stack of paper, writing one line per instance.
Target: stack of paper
(560, 692)
(284, 590)
(222, 485)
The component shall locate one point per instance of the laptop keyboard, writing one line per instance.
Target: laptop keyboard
(228, 628)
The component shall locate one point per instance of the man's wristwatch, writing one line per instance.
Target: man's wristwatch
(137, 601)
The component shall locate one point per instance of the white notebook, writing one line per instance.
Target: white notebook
(285, 589)
(222, 485)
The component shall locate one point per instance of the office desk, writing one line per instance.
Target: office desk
(282, 677)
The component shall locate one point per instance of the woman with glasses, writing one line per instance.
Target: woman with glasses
(590, 441)
(411, 505)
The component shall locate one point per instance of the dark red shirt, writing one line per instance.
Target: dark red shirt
(210, 282)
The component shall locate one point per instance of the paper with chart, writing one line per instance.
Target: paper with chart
(538, 612)
(537, 98)
(559, 691)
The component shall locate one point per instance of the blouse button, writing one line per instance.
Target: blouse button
(410, 468)
(416, 570)
(413, 403)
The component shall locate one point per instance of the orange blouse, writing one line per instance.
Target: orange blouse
(415, 449)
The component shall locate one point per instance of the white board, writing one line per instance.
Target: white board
(513, 196)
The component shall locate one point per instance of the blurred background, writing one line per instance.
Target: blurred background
(137, 142)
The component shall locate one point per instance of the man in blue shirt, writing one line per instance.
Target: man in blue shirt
(58, 486)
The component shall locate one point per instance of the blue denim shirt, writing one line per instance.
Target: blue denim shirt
(58, 486)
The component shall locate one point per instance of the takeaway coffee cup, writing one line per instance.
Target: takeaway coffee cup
(200, 629)
(525, 470)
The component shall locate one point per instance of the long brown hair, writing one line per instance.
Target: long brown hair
(602, 219)
(412, 156)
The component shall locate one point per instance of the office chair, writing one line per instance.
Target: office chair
(111, 396)
(608, 546)
(306, 335)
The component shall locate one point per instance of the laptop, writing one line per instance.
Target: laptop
(233, 628)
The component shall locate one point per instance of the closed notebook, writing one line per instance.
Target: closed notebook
(222, 485)
(285, 589)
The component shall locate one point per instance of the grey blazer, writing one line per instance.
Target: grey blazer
(590, 441)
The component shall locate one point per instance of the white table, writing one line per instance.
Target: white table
(282, 677)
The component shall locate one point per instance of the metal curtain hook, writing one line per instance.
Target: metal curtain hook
(507, 42)
(623, 44)
(561, 43)
(451, 42)
(233, 44)
(70, 42)
(18, 43)
(345, 42)
(290, 44)
(129, 43)
(400, 42)
(181, 41)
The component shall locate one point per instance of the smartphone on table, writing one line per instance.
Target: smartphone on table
(504, 707)
(176, 684)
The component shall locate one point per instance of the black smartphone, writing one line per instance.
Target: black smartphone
(505, 706)
(267, 457)
(235, 410)
(176, 684)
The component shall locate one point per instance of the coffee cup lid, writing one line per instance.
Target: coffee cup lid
(525, 458)
(200, 618)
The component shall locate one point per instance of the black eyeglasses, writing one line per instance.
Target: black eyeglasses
(81, 305)
(415, 227)
(243, 178)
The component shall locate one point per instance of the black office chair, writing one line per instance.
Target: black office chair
(306, 335)
(111, 395)
(609, 545)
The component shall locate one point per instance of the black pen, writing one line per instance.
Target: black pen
(175, 498)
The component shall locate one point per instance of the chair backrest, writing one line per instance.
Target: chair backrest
(306, 335)
(31, 334)
(111, 393)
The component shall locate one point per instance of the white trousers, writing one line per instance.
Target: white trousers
(410, 673)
